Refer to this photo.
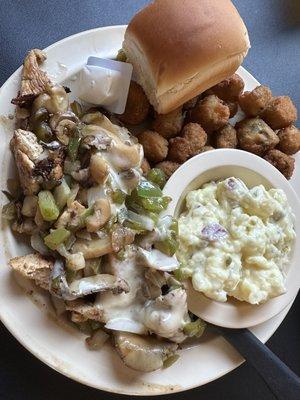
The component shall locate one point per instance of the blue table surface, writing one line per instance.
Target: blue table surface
(274, 29)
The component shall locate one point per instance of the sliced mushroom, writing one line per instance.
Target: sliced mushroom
(61, 116)
(102, 213)
(125, 153)
(93, 118)
(93, 248)
(33, 81)
(98, 283)
(143, 353)
(59, 286)
(101, 141)
(98, 119)
(71, 217)
(54, 100)
(99, 169)
(157, 260)
(64, 124)
(125, 156)
(64, 130)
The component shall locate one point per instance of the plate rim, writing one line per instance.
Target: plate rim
(43, 358)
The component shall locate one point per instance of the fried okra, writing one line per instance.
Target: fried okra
(226, 137)
(229, 89)
(196, 136)
(179, 150)
(253, 103)
(233, 108)
(289, 140)
(168, 125)
(255, 136)
(280, 112)
(168, 167)
(283, 162)
(155, 146)
(211, 113)
(137, 106)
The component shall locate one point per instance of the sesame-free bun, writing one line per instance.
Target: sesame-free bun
(180, 48)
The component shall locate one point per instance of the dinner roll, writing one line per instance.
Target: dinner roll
(180, 48)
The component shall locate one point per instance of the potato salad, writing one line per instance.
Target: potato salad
(236, 241)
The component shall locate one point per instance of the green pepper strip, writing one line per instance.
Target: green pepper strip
(73, 146)
(157, 176)
(118, 196)
(168, 246)
(76, 108)
(56, 237)
(47, 206)
(148, 189)
(156, 204)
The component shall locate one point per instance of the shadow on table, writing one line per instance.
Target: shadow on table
(290, 10)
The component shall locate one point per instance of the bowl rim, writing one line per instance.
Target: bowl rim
(216, 312)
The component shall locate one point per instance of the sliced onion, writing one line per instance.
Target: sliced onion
(157, 260)
(97, 283)
(126, 325)
(38, 244)
(73, 194)
(61, 249)
(95, 193)
(145, 222)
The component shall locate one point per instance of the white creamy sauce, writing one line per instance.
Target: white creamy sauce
(236, 241)
(134, 311)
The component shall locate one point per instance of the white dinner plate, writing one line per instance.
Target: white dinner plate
(58, 344)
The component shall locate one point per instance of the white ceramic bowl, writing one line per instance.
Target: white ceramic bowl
(253, 170)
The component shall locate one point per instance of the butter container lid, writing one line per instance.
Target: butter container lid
(104, 82)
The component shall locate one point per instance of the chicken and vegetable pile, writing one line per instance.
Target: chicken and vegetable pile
(102, 248)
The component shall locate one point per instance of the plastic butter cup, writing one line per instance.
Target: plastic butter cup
(253, 170)
(105, 83)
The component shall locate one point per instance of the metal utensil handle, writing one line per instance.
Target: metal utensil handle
(283, 382)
